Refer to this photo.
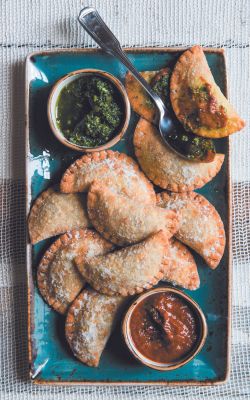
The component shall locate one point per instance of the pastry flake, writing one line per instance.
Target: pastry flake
(58, 279)
(124, 221)
(120, 170)
(54, 213)
(180, 266)
(89, 323)
(165, 168)
(201, 227)
(197, 100)
(129, 270)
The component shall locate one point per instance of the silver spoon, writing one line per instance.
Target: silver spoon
(91, 21)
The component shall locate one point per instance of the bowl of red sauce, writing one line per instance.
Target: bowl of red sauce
(164, 328)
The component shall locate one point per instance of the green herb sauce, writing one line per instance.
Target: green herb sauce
(89, 111)
(161, 87)
(195, 147)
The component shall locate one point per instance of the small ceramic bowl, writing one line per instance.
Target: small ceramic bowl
(52, 102)
(202, 329)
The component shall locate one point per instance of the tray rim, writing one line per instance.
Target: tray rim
(29, 274)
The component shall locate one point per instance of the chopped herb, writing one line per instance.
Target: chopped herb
(149, 103)
(160, 85)
(89, 111)
(200, 92)
(195, 148)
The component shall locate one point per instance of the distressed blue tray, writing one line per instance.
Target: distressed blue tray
(51, 360)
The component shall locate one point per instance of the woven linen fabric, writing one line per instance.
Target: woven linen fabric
(32, 25)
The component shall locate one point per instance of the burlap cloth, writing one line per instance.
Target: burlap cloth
(29, 25)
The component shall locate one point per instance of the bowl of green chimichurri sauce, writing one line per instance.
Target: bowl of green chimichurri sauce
(88, 110)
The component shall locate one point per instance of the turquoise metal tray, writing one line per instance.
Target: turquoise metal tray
(51, 360)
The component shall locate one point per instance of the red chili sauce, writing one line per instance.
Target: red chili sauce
(164, 328)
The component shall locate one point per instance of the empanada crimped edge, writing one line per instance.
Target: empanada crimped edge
(35, 236)
(148, 130)
(67, 181)
(42, 271)
(90, 350)
(65, 240)
(158, 236)
(189, 58)
(181, 253)
(92, 205)
(212, 260)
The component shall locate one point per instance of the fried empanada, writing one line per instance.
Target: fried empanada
(165, 168)
(180, 266)
(196, 99)
(89, 323)
(129, 270)
(201, 227)
(58, 279)
(120, 170)
(124, 221)
(54, 213)
(139, 100)
(138, 97)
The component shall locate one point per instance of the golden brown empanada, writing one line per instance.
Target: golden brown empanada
(201, 227)
(54, 213)
(124, 221)
(89, 323)
(120, 170)
(165, 168)
(180, 266)
(129, 270)
(58, 279)
(196, 99)
(139, 100)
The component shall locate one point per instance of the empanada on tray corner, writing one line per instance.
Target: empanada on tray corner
(89, 324)
(198, 101)
(201, 227)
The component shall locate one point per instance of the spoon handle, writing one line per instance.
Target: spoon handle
(91, 21)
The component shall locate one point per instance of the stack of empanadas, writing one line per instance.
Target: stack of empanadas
(129, 249)
(196, 99)
(118, 237)
(121, 205)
